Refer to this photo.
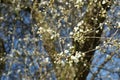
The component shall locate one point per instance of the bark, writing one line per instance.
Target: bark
(2, 55)
(95, 15)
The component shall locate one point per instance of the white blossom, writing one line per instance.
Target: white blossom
(83, 54)
(81, 30)
(78, 1)
(47, 59)
(71, 33)
(80, 23)
(78, 54)
(76, 28)
(75, 59)
(103, 2)
(97, 47)
(68, 45)
(84, 64)
(108, 56)
(66, 51)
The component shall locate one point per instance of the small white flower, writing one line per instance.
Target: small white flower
(49, 30)
(25, 39)
(81, 58)
(84, 64)
(119, 43)
(66, 51)
(40, 28)
(70, 62)
(72, 47)
(78, 54)
(97, 47)
(75, 59)
(108, 56)
(71, 33)
(83, 54)
(97, 31)
(76, 28)
(81, 30)
(66, 3)
(18, 71)
(78, 1)
(9, 72)
(11, 55)
(61, 53)
(30, 64)
(80, 23)
(68, 45)
(57, 35)
(1, 18)
(47, 59)
(103, 2)
(95, 0)
(1, 59)
(52, 37)
(101, 27)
